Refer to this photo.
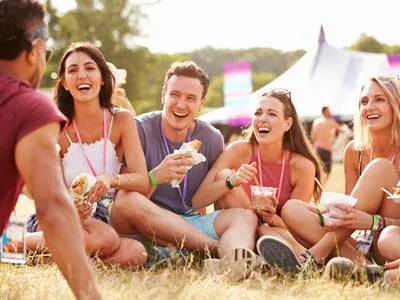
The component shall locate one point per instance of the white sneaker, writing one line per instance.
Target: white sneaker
(238, 263)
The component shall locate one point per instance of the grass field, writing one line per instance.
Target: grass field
(182, 281)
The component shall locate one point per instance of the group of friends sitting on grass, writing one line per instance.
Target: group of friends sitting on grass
(149, 192)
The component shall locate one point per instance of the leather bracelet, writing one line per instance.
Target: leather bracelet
(153, 179)
(228, 182)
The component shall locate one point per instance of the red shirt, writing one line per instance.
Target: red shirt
(22, 110)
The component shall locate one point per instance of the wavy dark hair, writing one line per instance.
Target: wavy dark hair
(17, 18)
(64, 99)
(295, 139)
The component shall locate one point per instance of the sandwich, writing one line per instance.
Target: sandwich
(80, 186)
(191, 147)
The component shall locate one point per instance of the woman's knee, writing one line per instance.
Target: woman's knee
(291, 208)
(387, 243)
(381, 168)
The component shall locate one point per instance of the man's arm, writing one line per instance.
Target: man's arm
(313, 131)
(39, 164)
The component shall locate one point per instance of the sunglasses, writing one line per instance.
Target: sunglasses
(279, 92)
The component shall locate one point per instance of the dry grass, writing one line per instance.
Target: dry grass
(183, 281)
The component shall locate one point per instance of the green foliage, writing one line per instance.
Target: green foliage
(366, 43)
(113, 25)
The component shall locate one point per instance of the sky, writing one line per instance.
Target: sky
(184, 25)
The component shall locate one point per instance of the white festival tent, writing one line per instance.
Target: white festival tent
(324, 76)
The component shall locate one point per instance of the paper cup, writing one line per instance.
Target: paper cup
(258, 194)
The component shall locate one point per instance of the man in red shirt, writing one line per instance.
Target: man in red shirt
(29, 130)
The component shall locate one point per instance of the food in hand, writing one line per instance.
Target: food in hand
(192, 147)
(79, 188)
(195, 144)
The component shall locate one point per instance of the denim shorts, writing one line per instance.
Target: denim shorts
(205, 223)
(101, 213)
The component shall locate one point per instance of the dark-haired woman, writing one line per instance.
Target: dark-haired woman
(94, 141)
(276, 154)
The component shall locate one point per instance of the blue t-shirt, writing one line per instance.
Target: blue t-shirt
(149, 127)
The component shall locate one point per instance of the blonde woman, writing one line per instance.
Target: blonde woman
(371, 162)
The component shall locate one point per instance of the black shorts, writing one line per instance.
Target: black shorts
(326, 157)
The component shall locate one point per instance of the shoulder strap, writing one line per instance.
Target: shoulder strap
(68, 138)
(111, 124)
(359, 169)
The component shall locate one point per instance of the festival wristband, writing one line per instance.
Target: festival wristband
(153, 179)
(321, 218)
(375, 222)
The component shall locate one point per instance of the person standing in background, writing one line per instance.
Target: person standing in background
(323, 133)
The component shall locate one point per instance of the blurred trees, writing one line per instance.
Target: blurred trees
(113, 26)
(367, 43)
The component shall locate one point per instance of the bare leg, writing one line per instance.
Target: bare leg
(102, 240)
(236, 228)
(388, 244)
(132, 212)
(302, 219)
(235, 198)
(129, 253)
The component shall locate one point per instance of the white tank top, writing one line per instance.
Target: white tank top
(74, 162)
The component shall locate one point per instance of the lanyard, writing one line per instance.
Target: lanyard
(281, 175)
(166, 145)
(104, 144)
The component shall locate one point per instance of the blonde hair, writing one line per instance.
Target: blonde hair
(390, 85)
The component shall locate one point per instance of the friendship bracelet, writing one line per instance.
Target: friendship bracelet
(153, 179)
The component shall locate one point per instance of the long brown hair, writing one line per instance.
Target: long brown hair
(295, 139)
(64, 99)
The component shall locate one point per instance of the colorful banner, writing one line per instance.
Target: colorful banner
(394, 63)
(238, 88)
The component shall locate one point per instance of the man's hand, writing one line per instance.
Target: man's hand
(174, 166)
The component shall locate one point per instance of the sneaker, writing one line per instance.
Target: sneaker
(368, 273)
(339, 268)
(278, 254)
(238, 263)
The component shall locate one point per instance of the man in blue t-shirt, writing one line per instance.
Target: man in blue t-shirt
(172, 219)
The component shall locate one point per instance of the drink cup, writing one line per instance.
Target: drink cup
(261, 196)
